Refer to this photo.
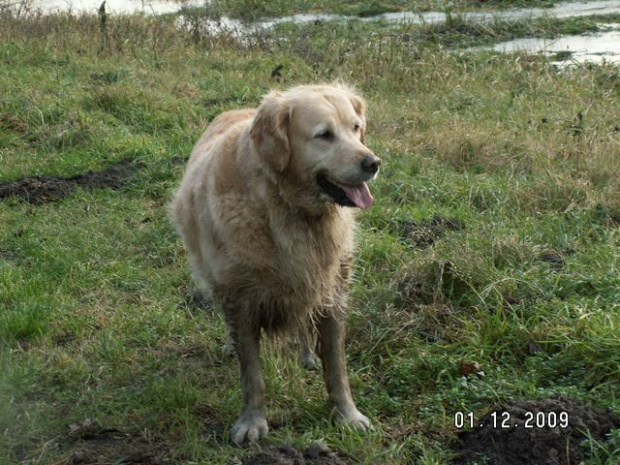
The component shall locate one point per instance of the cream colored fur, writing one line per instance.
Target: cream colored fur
(266, 242)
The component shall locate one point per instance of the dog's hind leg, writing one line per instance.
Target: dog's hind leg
(307, 357)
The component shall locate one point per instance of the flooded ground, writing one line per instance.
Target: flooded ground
(112, 6)
(562, 10)
(596, 48)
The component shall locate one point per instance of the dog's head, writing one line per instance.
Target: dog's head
(313, 137)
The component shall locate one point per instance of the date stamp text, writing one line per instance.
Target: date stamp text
(505, 420)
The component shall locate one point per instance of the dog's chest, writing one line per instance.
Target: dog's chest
(310, 254)
(287, 258)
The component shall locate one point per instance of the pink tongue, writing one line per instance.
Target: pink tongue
(359, 195)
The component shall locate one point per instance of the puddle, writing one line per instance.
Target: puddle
(156, 7)
(562, 10)
(596, 48)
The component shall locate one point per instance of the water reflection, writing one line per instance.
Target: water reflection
(113, 6)
(561, 10)
(596, 48)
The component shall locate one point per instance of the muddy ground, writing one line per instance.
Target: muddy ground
(516, 445)
(88, 443)
(315, 454)
(424, 233)
(41, 189)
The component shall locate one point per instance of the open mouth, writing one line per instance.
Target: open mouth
(347, 196)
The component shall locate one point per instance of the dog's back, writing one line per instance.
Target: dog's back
(219, 126)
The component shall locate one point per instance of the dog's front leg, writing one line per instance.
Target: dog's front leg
(251, 424)
(331, 351)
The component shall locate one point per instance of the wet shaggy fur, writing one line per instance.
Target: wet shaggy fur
(268, 241)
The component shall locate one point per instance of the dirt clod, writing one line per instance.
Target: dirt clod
(88, 443)
(425, 233)
(538, 444)
(556, 259)
(41, 189)
(315, 454)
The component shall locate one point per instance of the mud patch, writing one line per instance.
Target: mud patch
(423, 284)
(89, 443)
(555, 259)
(606, 216)
(8, 256)
(424, 233)
(315, 454)
(14, 124)
(42, 189)
(516, 444)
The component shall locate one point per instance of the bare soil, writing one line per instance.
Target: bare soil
(517, 445)
(42, 189)
(424, 233)
(88, 443)
(315, 454)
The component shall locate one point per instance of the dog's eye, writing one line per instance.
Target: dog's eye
(326, 135)
(356, 127)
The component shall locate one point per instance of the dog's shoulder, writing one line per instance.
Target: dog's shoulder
(225, 125)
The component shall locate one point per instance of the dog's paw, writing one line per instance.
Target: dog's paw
(353, 418)
(309, 361)
(229, 349)
(248, 428)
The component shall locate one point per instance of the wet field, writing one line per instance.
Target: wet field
(602, 47)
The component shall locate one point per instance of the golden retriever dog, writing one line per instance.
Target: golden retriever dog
(266, 212)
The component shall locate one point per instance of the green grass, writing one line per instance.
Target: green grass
(94, 315)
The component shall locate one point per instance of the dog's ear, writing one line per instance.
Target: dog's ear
(360, 108)
(269, 132)
(358, 105)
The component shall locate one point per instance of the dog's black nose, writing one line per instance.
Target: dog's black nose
(371, 163)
